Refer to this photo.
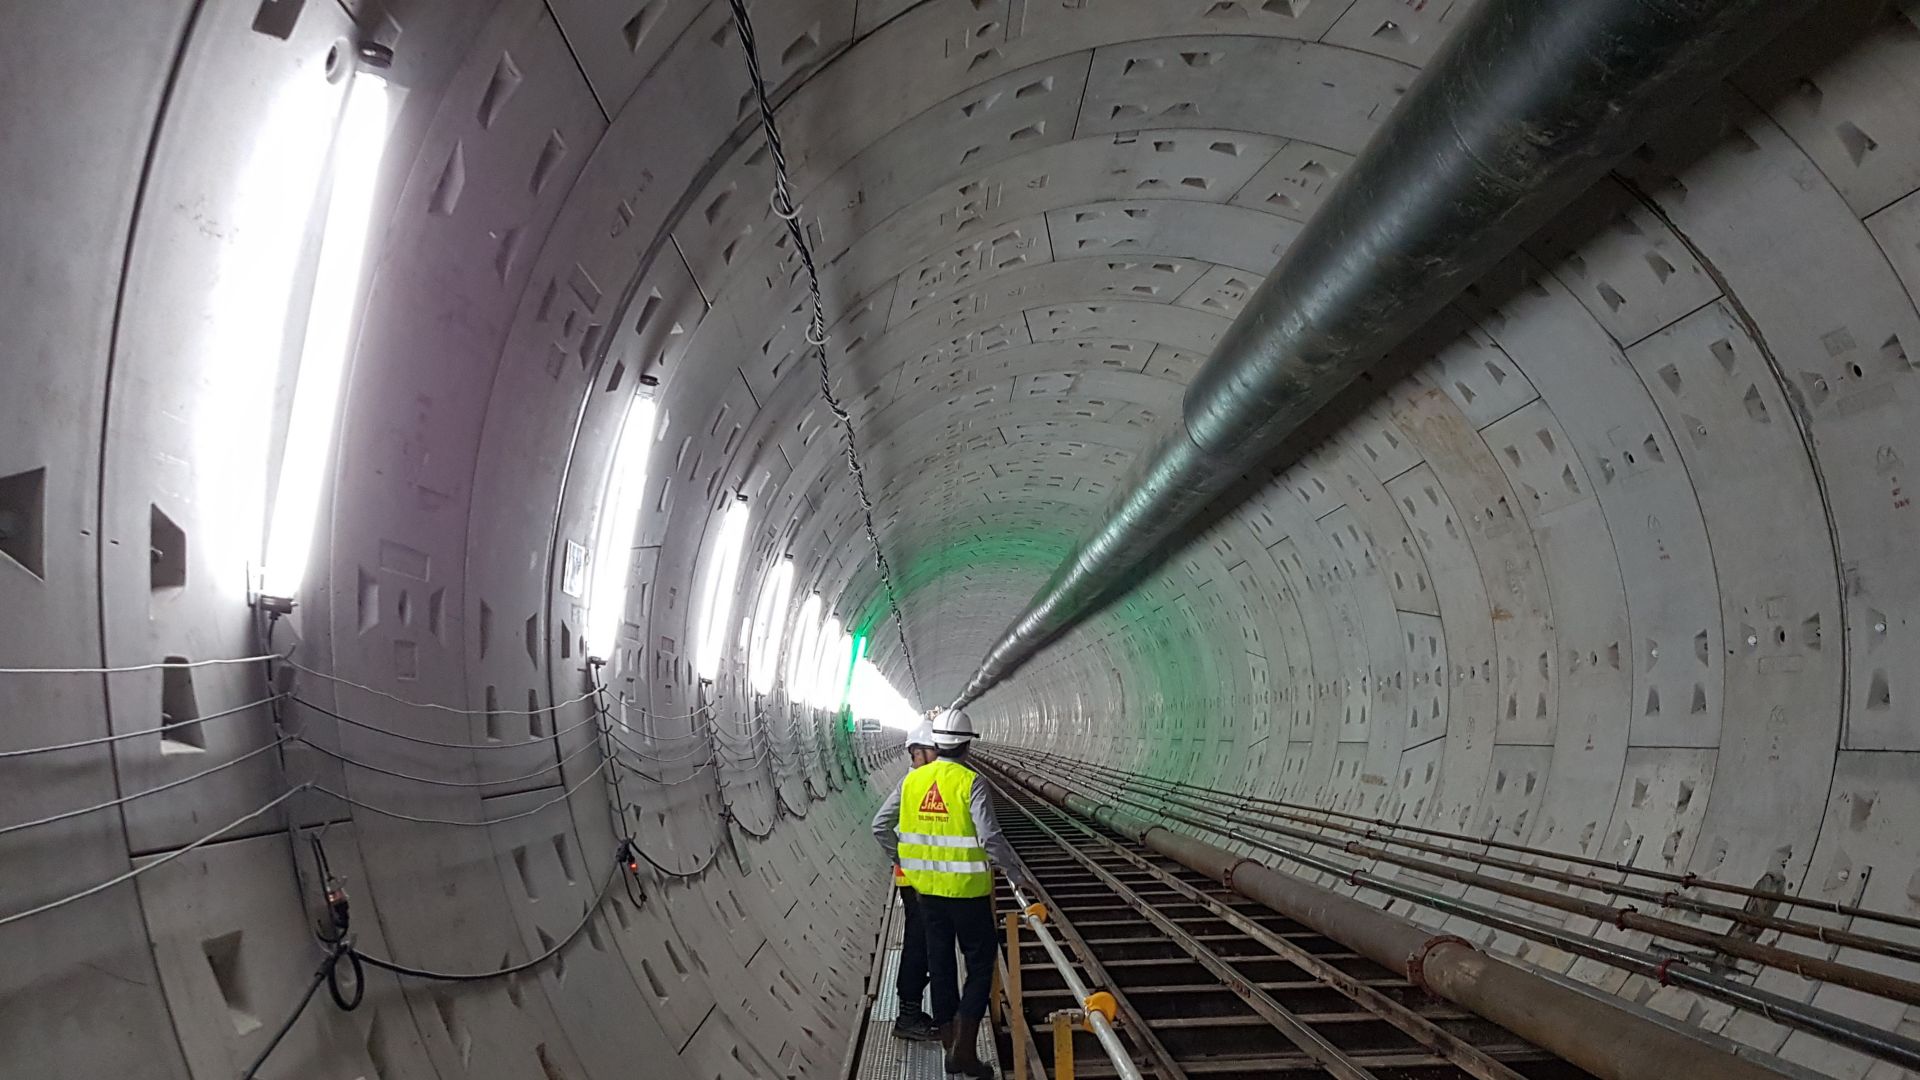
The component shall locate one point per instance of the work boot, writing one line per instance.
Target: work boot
(963, 1057)
(915, 1026)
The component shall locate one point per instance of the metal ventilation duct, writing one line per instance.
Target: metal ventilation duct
(1527, 106)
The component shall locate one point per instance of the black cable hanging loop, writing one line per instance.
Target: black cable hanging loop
(785, 209)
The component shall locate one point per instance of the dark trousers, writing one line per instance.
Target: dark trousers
(967, 923)
(913, 955)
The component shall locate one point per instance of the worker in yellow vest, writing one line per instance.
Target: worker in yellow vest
(941, 829)
(913, 1021)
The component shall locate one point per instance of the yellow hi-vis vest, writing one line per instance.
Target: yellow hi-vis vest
(939, 850)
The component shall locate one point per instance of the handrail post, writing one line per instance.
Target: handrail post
(1063, 1043)
(1014, 1001)
(1097, 1005)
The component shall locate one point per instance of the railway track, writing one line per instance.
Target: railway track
(1213, 985)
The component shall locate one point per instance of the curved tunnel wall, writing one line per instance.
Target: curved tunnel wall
(1623, 568)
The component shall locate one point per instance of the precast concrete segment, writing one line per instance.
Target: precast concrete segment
(1525, 108)
(1693, 390)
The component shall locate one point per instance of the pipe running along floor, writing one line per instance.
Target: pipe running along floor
(1211, 984)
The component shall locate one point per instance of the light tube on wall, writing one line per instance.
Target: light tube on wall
(723, 576)
(331, 321)
(852, 651)
(822, 694)
(621, 502)
(800, 658)
(769, 626)
(872, 697)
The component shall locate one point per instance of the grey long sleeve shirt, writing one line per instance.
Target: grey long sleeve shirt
(886, 828)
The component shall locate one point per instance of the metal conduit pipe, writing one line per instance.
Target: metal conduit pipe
(1667, 970)
(1681, 880)
(1211, 802)
(1524, 108)
(1862, 979)
(1602, 1038)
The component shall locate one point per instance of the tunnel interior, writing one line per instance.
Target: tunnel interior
(1615, 557)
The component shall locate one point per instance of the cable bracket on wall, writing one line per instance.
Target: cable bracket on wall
(785, 209)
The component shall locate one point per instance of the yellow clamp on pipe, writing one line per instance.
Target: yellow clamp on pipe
(1038, 911)
(1100, 1002)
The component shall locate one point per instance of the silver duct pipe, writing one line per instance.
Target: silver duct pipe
(1527, 105)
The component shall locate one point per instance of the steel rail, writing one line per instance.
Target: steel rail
(1816, 968)
(1683, 880)
(1164, 1064)
(1840, 1030)
(1826, 935)
(1309, 1042)
(1464, 1055)
(1250, 963)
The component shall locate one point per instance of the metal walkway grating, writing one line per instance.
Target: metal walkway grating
(883, 1057)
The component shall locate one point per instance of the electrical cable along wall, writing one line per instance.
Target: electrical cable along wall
(1620, 574)
(471, 810)
(326, 892)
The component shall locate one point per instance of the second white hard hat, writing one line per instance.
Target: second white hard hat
(920, 734)
(952, 728)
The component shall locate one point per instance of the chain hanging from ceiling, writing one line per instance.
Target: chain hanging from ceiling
(784, 208)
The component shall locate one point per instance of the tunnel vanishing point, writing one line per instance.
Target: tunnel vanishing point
(481, 484)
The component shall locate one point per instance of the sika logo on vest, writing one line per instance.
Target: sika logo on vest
(932, 803)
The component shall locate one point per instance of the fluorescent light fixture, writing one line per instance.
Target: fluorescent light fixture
(769, 627)
(268, 211)
(824, 694)
(331, 324)
(800, 659)
(621, 501)
(872, 697)
(834, 693)
(723, 575)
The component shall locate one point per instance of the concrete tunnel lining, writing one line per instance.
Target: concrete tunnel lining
(1623, 569)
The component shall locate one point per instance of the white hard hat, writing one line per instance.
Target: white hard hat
(920, 734)
(953, 727)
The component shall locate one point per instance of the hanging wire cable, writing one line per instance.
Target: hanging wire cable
(362, 724)
(173, 664)
(737, 741)
(327, 972)
(593, 910)
(664, 759)
(124, 735)
(266, 620)
(710, 761)
(125, 799)
(617, 805)
(784, 208)
(398, 775)
(705, 751)
(630, 847)
(785, 769)
(728, 815)
(564, 795)
(706, 862)
(742, 826)
(629, 704)
(432, 705)
(149, 867)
